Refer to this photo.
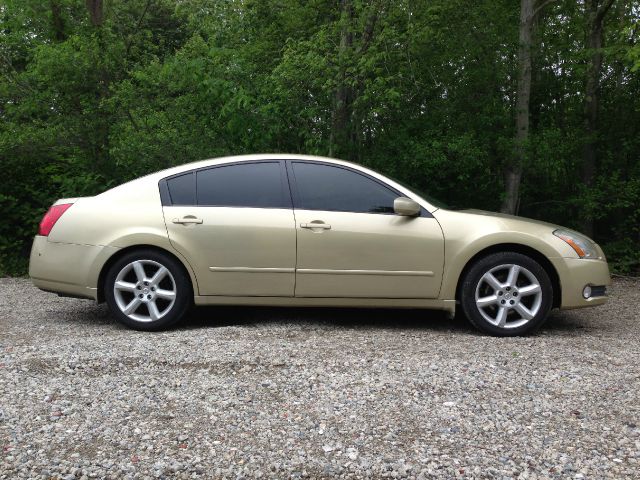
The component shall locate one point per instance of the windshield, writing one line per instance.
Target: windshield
(433, 201)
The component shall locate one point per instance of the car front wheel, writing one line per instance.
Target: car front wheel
(147, 290)
(506, 294)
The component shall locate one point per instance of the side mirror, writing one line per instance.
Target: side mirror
(406, 207)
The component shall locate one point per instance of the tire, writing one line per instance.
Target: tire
(148, 290)
(506, 294)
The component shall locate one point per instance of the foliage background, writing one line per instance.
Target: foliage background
(94, 93)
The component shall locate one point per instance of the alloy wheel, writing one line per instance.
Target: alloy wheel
(508, 296)
(145, 290)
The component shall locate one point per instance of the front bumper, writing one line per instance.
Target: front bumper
(575, 274)
(67, 268)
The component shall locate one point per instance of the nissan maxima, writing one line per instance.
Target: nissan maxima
(294, 230)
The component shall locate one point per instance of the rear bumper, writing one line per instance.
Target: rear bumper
(67, 268)
(575, 274)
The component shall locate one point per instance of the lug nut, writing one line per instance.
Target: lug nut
(500, 292)
(502, 302)
(153, 289)
(511, 302)
(515, 294)
(141, 295)
(149, 297)
(508, 288)
(146, 283)
(139, 287)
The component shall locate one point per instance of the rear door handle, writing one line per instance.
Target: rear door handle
(313, 226)
(187, 220)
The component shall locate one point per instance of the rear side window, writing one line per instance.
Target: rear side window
(326, 187)
(243, 185)
(181, 189)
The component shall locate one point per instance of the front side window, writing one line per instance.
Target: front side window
(332, 188)
(242, 185)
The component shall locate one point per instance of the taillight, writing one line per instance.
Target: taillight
(51, 217)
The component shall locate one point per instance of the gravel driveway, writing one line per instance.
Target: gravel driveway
(277, 393)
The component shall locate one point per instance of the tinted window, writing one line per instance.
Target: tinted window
(324, 187)
(243, 185)
(181, 190)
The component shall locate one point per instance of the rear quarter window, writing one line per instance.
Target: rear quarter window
(182, 189)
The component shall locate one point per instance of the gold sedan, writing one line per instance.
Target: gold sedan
(294, 230)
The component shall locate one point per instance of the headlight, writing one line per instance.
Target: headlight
(584, 247)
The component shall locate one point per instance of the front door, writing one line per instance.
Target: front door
(351, 244)
(234, 224)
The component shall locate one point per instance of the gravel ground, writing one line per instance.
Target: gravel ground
(279, 393)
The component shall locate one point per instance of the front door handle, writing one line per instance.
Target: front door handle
(187, 220)
(316, 225)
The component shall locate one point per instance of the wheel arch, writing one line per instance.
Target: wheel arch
(124, 251)
(524, 250)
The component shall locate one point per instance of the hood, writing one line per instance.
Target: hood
(510, 218)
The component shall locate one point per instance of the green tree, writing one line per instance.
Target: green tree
(433, 92)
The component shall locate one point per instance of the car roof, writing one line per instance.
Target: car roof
(252, 158)
(163, 174)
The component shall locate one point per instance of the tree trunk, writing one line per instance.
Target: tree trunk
(96, 11)
(57, 21)
(343, 96)
(594, 42)
(513, 170)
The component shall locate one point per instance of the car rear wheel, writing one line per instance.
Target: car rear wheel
(506, 294)
(147, 290)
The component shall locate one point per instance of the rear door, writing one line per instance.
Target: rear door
(234, 224)
(350, 242)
